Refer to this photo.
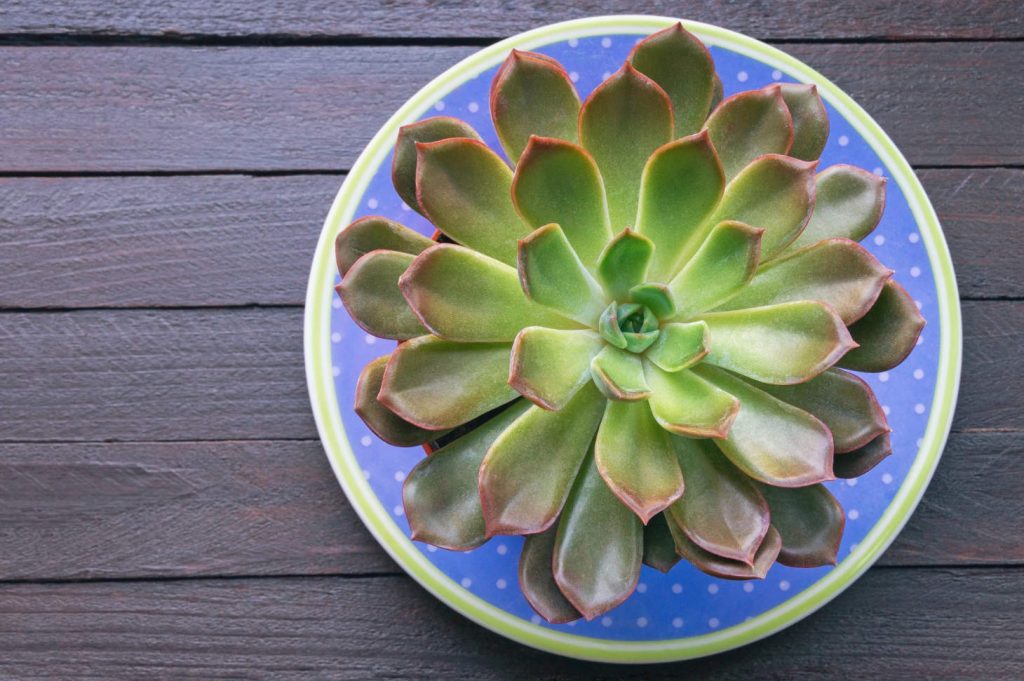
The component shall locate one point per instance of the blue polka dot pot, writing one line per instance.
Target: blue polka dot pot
(684, 613)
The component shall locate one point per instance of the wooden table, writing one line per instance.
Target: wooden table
(166, 509)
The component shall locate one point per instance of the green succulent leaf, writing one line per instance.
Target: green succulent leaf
(810, 121)
(608, 327)
(635, 458)
(842, 401)
(849, 205)
(371, 295)
(557, 181)
(677, 60)
(624, 263)
(659, 547)
(887, 333)
(550, 273)
(838, 272)
(549, 366)
(655, 297)
(619, 374)
(858, 462)
(439, 384)
(810, 522)
(720, 268)
(465, 189)
(681, 184)
(537, 580)
(775, 193)
(375, 233)
(718, 566)
(441, 494)
(599, 546)
(685, 404)
(529, 470)
(748, 125)
(384, 423)
(718, 93)
(532, 95)
(622, 122)
(781, 344)
(679, 346)
(406, 158)
(770, 440)
(721, 510)
(461, 295)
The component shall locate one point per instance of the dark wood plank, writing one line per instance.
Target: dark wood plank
(175, 108)
(490, 18)
(112, 510)
(238, 374)
(235, 240)
(936, 624)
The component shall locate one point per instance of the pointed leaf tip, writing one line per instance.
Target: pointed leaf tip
(748, 125)
(405, 160)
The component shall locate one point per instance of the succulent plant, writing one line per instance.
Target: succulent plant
(630, 342)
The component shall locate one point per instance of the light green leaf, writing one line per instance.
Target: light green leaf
(464, 296)
(439, 384)
(748, 125)
(655, 297)
(537, 580)
(849, 204)
(810, 522)
(532, 95)
(887, 333)
(858, 462)
(782, 344)
(636, 460)
(441, 494)
(622, 122)
(810, 121)
(371, 295)
(681, 184)
(720, 268)
(466, 191)
(685, 404)
(659, 547)
(679, 346)
(599, 546)
(529, 470)
(551, 274)
(375, 233)
(557, 181)
(405, 161)
(619, 374)
(384, 423)
(624, 263)
(770, 440)
(549, 366)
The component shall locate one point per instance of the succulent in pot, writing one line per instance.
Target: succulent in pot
(633, 341)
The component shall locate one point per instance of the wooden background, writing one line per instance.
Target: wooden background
(166, 510)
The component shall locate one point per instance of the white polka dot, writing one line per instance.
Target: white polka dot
(919, 441)
(853, 547)
(466, 582)
(606, 42)
(748, 587)
(784, 585)
(372, 203)
(473, 107)
(853, 514)
(852, 482)
(677, 588)
(883, 377)
(535, 619)
(399, 476)
(335, 337)
(501, 584)
(573, 76)
(886, 479)
(742, 76)
(336, 303)
(606, 621)
(370, 340)
(915, 271)
(573, 42)
(879, 171)
(843, 140)
(713, 622)
(439, 106)
(336, 371)
(641, 588)
(918, 303)
(502, 549)
(431, 548)
(776, 75)
(712, 588)
(920, 339)
(677, 622)
(886, 410)
(879, 240)
(918, 374)
(573, 623)
(398, 511)
(918, 408)
(406, 207)
(913, 237)
(366, 474)
(606, 75)
(641, 622)
(366, 440)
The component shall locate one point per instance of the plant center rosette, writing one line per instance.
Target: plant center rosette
(625, 345)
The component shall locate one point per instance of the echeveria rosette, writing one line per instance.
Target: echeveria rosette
(630, 344)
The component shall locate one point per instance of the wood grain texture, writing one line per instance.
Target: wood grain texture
(175, 108)
(238, 240)
(131, 510)
(495, 18)
(936, 624)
